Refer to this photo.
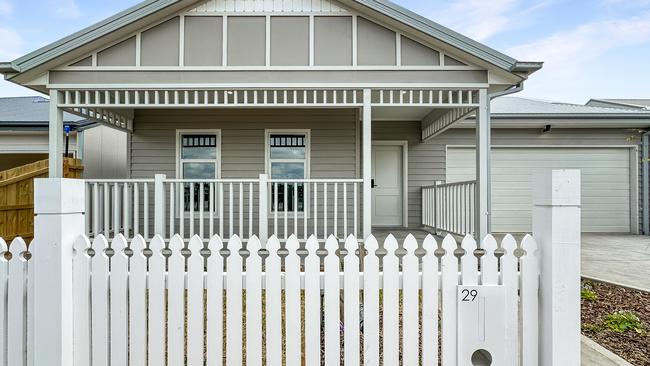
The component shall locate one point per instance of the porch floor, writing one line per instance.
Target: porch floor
(400, 233)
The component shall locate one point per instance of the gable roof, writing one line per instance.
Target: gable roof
(149, 7)
(622, 103)
(518, 107)
(32, 113)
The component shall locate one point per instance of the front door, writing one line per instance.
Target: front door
(387, 174)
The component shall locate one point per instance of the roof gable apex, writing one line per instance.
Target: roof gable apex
(135, 16)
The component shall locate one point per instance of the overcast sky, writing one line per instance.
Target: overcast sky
(591, 48)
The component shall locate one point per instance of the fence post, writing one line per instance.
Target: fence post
(159, 204)
(59, 207)
(263, 230)
(556, 227)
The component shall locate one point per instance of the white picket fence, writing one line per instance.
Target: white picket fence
(174, 302)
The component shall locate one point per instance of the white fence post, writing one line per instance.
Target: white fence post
(556, 227)
(59, 207)
(263, 229)
(159, 204)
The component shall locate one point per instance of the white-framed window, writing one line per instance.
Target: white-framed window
(198, 154)
(287, 157)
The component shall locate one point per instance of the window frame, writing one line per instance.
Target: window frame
(306, 160)
(179, 156)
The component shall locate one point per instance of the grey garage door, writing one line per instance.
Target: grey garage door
(605, 183)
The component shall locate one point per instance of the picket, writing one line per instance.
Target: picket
(430, 303)
(254, 303)
(195, 345)
(449, 274)
(17, 307)
(331, 303)
(81, 284)
(4, 276)
(273, 303)
(351, 287)
(391, 302)
(292, 302)
(137, 302)
(118, 283)
(234, 317)
(214, 327)
(176, 303)
(529, 285)
(371, 303)
(410, 286)
(156, 314)
(489, 262)
(100, 310)
(312, 303)
(511, 284)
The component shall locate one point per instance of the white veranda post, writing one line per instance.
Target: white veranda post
(55, 136)
(482, 209)
(367, 163)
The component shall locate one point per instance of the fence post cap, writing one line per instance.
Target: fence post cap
(557, 187)
(59, 196)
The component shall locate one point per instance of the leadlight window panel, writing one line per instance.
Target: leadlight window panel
(288, 160)
(198, 161)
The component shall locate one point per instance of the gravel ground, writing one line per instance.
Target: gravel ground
(630, 345)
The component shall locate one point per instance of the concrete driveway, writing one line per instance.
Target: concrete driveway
(617, 258)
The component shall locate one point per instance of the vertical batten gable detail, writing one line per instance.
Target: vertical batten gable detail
(332, 41)
(246, 41)
(203, 41)
(376, 45)
(263, 34)
(161, 44)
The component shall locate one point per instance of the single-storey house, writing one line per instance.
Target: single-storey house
(24, 138)
(642, 104)
(292, 117)
(528, 135)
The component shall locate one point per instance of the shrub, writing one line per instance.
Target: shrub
(588, 295)
(622, 321)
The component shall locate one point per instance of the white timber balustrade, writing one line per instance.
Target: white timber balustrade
(69, 299)
(450, 208)
(556, 225)
(224, 207)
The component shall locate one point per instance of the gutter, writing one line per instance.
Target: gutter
(8, 68)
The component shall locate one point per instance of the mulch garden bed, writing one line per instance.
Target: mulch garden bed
(628, 335)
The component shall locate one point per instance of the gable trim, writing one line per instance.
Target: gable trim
(149, 7)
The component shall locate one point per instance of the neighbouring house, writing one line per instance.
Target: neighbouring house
(529, 135)
(24, 125)
(322, 117)
(643, 104)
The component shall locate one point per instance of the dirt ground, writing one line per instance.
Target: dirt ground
(631, 345)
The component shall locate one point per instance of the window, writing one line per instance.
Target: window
(198, 159)
(288, 158)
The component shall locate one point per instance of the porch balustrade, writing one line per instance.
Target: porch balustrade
(225, 207)
(450, 207)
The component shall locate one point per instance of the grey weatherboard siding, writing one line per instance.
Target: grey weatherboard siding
(333, 143)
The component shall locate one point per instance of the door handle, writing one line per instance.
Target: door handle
(372, 184)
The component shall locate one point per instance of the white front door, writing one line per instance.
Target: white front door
(387, 173)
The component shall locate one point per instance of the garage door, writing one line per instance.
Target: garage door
(605, 183)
